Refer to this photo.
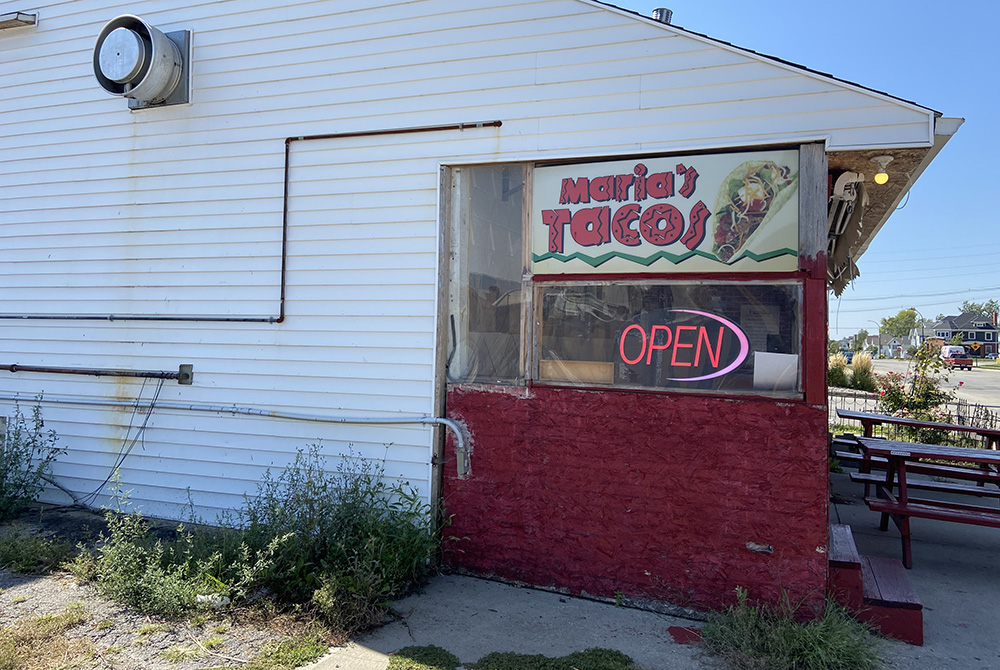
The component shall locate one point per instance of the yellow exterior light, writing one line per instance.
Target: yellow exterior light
(882, 177)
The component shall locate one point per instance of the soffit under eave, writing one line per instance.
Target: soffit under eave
(876, 203)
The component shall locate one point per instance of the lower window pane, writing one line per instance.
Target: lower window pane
(681, 335)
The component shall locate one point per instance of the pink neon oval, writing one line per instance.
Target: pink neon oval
(740, 335)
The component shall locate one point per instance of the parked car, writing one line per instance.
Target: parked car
(960, 361)
(991, 356)
(850, 356)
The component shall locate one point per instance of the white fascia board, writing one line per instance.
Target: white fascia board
(944, 129)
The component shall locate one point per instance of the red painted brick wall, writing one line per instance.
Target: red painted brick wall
(664, 496)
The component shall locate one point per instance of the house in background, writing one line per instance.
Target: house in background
(979, 333)
(921, 335)
(557, 265)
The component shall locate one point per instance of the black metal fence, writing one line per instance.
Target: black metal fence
(959, 412)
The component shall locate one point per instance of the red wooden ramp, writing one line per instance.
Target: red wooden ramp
(876, 590)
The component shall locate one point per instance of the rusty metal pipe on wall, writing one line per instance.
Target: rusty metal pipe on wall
(284, 235)
(184, 374)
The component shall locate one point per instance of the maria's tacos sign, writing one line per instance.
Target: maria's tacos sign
(703, 213)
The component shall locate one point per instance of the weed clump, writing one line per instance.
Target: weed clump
(29, 554)
(771, 638)
(353, 540)
(337, 544)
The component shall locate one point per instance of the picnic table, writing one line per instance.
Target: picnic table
(892, 492)
(870, 420)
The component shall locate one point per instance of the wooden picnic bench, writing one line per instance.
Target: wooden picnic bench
(870, 420)
(892, 492)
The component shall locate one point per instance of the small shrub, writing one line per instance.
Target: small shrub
(356, 540)
(771, 638)
(863, 373)
(836, 374)
(26, 455)
(133, 567)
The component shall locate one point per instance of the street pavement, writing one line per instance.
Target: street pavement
(978, 385)
(954, 573)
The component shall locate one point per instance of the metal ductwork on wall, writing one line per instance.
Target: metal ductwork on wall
(134, 60)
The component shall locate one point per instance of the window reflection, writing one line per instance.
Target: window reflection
(695, 335)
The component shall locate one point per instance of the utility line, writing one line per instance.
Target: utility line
(910, 296)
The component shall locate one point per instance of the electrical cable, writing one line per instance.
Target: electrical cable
(127, 446)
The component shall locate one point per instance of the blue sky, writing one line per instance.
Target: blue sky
(941, 246)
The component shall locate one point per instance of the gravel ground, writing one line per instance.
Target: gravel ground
(113, 636)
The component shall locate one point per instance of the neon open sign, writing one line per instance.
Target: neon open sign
(694, 348)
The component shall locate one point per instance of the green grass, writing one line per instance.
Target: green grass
(772, 638)
(29, 554)
(180, 654)
(38, 643)
(289, 653)
(436, 658)
(423, 658)
(591, 659)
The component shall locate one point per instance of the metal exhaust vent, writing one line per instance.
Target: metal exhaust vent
(135, 60)
(662, 15)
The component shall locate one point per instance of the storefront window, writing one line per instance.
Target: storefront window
(510, 323)
(486, 273)
(678, 335)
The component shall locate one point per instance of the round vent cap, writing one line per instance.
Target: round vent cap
(123, 56)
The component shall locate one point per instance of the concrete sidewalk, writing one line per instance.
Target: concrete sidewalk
(472, 617)
(954, 572)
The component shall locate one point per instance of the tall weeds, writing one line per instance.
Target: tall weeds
(27, 451)
(774, 638)
(341, 543)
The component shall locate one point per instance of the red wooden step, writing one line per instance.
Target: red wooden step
(891, 605)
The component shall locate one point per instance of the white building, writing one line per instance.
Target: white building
(288, 232)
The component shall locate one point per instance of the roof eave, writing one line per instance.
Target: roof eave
(944, 129)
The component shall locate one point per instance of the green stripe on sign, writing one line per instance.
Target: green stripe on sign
(595, 261)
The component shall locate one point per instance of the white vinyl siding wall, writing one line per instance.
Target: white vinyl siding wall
(177, 211)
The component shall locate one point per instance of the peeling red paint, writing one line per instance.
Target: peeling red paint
(653, 495)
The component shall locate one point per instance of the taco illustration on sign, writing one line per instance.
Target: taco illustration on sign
(748, 198)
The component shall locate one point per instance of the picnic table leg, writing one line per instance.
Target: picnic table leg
(890, 473)
(904, 533)
(904, 520)
(866, 468)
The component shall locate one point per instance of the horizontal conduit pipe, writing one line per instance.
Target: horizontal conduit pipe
(183, 375)
(461, 446)
(284, 235)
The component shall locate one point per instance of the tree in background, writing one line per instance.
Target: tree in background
(984, 309)
(901, 324)
(859, 340)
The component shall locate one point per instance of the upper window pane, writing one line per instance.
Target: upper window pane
(486, 269)
(685, 336)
